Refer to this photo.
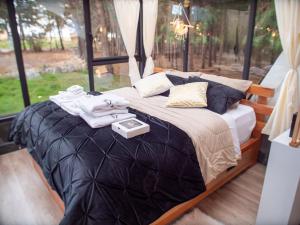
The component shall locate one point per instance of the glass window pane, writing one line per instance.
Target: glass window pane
(52, 36)
(218, 38)
(167, 51)
(107, 39)
(266, 42)
(108, 77)
(11, 100)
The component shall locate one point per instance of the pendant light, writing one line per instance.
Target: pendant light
(179, 26)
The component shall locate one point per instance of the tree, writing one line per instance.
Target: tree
(206, 20)
(60, 22)
(167, 47)
(49, 26)
(28, 16)
(4, 23)
(266, 38)
(3, 17)
(75, 14)
(101, 25)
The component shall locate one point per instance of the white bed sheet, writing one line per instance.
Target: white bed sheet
(241, 121)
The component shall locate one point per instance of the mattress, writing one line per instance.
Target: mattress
(241, 121)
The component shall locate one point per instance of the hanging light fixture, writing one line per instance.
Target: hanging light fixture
(180, 28)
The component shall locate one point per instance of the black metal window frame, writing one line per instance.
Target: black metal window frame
(92, 62)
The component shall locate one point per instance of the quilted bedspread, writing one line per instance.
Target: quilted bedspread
(104, 178)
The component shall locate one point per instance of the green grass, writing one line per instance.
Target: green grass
(40, 88)
(4, 45)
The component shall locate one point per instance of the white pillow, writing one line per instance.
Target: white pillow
(241, 85)
(153, 85)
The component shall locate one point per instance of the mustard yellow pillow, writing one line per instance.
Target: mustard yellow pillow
(188, 95)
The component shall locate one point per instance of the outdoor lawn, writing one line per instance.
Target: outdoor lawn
(40, 88)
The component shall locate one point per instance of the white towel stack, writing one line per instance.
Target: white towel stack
(68, 99)
(102, 110)
(97, 111)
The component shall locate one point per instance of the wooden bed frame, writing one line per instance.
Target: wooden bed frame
(249, 150)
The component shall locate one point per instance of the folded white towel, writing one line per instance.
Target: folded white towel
(102, 102)
(97, 111)
(68, 101)
(106, 112)
(71, 108)
(97, 122)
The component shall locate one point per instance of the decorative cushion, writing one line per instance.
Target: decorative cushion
(153, 85)
(219, 96)
(175, 81)
(188, 95)
(241, 85)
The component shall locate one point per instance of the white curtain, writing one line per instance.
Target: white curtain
(275, 77)
(150, 8)
(288, 20)
(127, 12)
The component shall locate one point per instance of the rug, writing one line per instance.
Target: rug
(196, 217)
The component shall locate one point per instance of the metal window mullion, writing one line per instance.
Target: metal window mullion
(18, 51)
(249, 43)
(89, 42)
(140, 40)
(186, 44)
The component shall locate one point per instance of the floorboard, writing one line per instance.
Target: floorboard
(237, 202)
(24, 200)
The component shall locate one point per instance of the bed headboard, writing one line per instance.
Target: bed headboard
(260, 105)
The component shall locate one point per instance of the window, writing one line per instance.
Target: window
(108, 43)
(107, 38)
(53, 33)
(167, 51)
(52, 37)
(11, 100)
(108, 77)
(266, 42)
(218, 38)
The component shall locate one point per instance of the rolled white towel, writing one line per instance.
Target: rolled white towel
(75, 89)
(103, 102)
(97, 122)
(70, 96)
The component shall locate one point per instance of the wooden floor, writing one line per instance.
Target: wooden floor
(24, 200)
(237, 202)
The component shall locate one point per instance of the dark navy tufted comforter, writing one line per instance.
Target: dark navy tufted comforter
(104, 178)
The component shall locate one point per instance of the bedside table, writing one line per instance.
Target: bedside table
(280, 198)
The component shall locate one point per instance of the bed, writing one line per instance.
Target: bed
(193, 187)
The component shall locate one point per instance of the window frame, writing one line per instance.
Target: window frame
(92, 62)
